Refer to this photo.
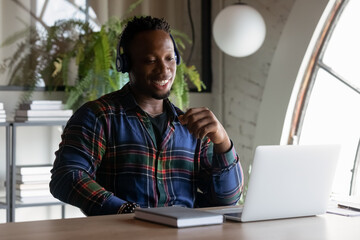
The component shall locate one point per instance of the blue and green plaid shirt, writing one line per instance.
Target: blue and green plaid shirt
(108, 156)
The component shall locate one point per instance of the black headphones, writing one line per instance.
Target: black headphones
(123, 61)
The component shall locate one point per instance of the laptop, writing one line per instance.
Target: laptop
(288, 181)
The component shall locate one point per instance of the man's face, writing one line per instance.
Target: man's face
(153, 64)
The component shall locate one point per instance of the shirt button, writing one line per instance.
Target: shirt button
(159, 182)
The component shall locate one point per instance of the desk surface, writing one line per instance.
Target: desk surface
(126, 227)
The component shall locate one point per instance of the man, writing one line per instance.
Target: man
(134, 148)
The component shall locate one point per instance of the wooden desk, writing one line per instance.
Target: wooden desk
(126, 227)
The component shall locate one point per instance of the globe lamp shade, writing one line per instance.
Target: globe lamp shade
(239, 30)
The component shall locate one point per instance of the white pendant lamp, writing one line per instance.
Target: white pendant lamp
(239, 30)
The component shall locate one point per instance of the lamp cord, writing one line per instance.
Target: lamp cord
(192, 32)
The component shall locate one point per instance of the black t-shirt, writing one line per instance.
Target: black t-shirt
(159, 124)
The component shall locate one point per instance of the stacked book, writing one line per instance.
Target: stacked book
(42, 110)
(32, 184)
(2, 113)
(179, 216)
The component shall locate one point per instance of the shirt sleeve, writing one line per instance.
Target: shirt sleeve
(220, 177)
(74, 172)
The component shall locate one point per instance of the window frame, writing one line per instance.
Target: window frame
(309, 79)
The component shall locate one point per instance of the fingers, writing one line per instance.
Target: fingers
(194, 114)
(202, 122)
(202, 128)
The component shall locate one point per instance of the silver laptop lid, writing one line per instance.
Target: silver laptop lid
(290, 181)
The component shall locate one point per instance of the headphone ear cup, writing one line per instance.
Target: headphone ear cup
(122, 63)
(177, 56)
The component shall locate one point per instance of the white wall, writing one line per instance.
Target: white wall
(295, 39)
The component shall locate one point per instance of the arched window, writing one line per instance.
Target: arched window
(328, 103)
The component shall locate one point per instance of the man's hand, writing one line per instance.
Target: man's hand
(202, 122)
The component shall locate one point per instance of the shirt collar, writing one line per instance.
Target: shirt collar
(129, 103)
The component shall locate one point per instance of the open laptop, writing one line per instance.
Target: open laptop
(288, 181)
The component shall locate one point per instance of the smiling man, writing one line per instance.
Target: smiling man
(134, 148)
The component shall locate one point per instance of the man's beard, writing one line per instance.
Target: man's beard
(161, 97)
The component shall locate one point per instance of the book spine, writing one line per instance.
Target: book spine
(33, 170)
(33, 193)
(40, 119)
(37, 199)
(27, 106)
(32, 178)
(45, 102)
(32, 186)
(45, 113)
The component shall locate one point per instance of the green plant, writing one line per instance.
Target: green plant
(48, 56)
(245, 188)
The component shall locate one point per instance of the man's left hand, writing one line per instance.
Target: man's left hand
(202, 122)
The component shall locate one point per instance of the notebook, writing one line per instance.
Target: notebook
(178, 216)
(288, 181)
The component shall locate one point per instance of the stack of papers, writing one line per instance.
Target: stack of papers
(345, 206)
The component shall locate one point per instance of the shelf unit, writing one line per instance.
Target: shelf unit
(11, 136)
(6, 205)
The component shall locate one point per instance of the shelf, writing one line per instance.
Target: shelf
(5, 202)
(9, 202)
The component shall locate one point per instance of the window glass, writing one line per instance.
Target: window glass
(343, 50)
(51, 11)
(332, 116)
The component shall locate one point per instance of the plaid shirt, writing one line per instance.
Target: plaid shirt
(108, 156)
